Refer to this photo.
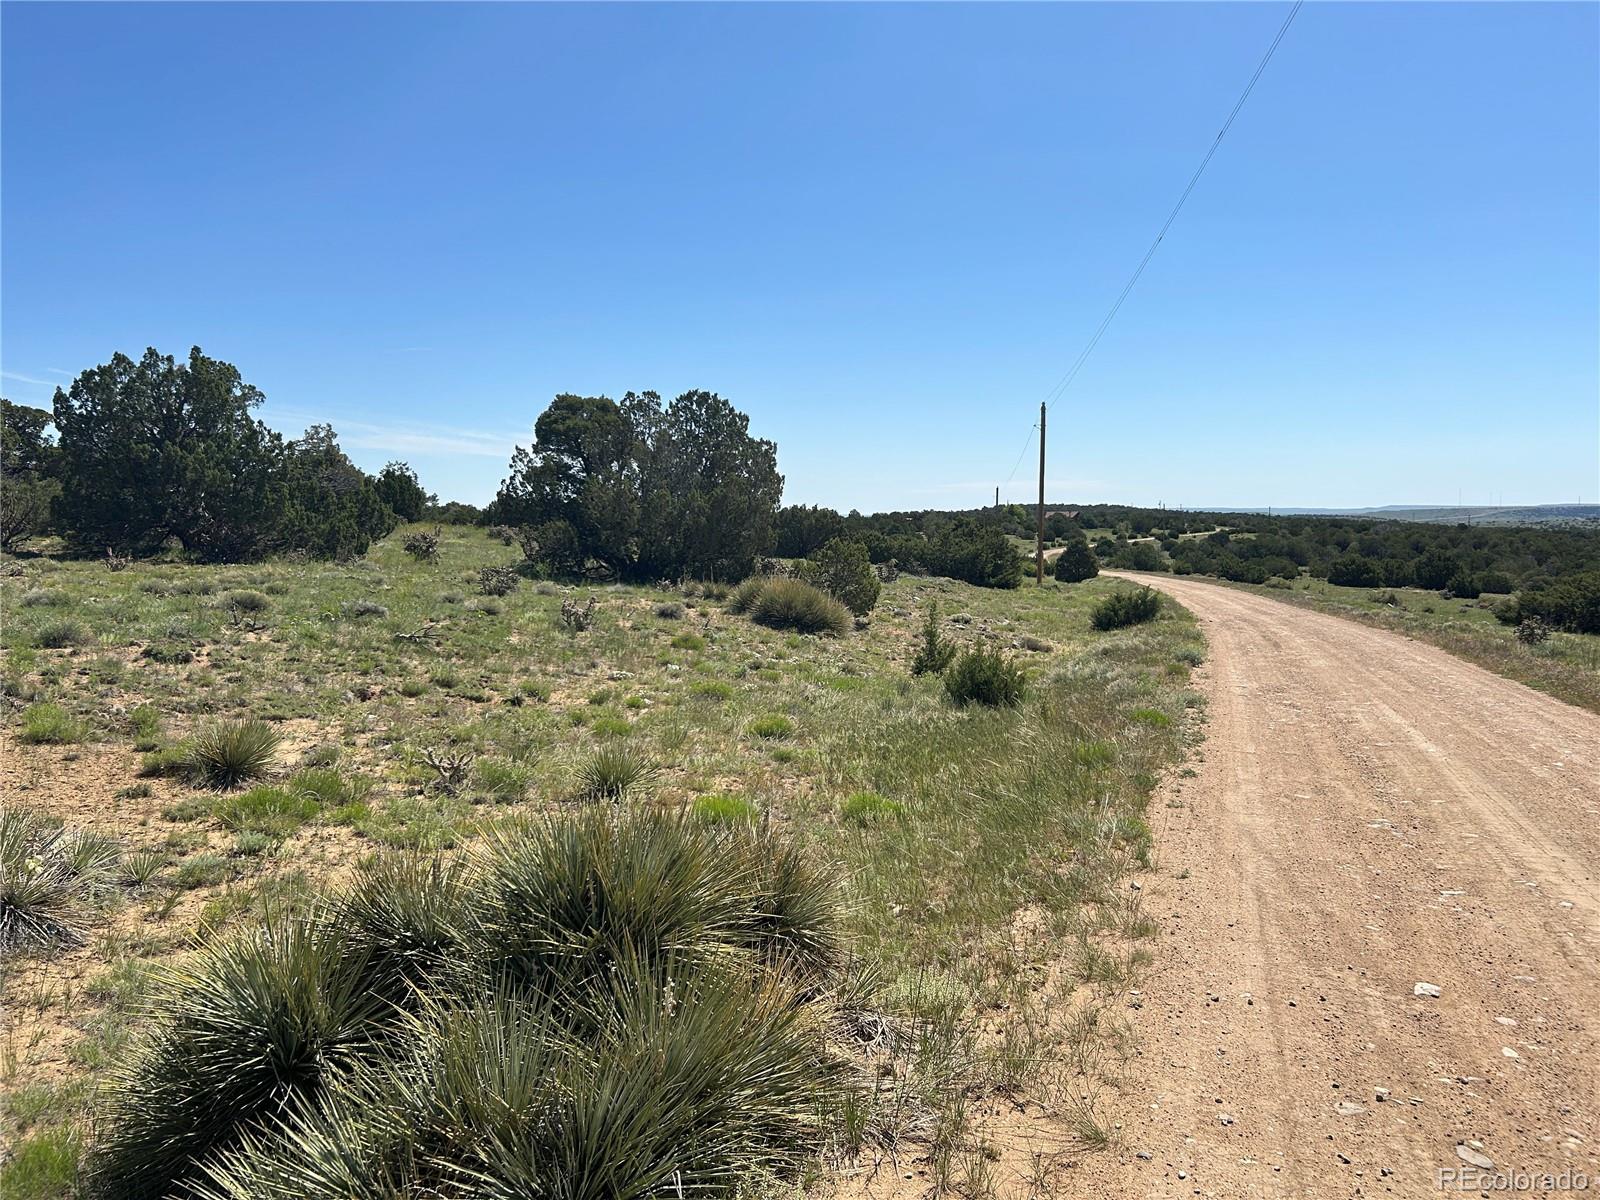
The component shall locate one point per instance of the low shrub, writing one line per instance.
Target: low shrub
(168, 653)
(1124, 608)
(842, 569)
(357, 609)
(42, 598)
(986, 677)
(1533, 631)
(1571, 603)
(226, 754)
(793, 604)
(934, 653)
(246, 601)
(498, 581)
(688, 641)
(61, 635)
(669, 610)
(422, 545)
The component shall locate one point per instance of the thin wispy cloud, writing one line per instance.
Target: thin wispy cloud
(16, 378)
(406, 437)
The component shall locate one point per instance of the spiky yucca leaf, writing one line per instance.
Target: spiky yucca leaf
(242, 1029)
(408, 914)
(562, 900)
(614, 772)
(48, 879)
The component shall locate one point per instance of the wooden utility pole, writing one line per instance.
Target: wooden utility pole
(1038, 553)
(997, 497)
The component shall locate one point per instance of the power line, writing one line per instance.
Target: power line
(1083, 357)
(1032, 429)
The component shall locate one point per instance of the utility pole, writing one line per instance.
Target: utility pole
(997, 497)
(1038, 553)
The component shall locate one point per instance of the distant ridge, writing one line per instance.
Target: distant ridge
(1452, 514)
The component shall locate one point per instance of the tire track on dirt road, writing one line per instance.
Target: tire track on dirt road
(1367, 813)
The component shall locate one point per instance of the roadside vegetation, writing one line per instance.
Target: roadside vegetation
(390, 777)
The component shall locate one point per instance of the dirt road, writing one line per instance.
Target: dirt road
(1368, 814)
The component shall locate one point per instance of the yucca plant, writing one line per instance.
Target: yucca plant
(49, 878)
(407, 913)
(794, 604)
(743, 598)
(613, 772)
(560, 900)
(243, 1031)
(792, 916)
(229, 753)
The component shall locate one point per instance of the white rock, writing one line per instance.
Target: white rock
(1427, 989)
(1349, 1108)
(1470, 1156)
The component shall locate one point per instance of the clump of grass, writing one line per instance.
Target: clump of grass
(724, 810)
(273, 813)
(1150, 716)
(501, 781)
(226, 754)
(611, 727)
(165, 763)
(794, 604)
(614, 772)
(1093, 754)
(42, 598)
(688, 641)
(46, 724)
(358, 609)
(43, 1166)
(869, 808)
(711, 689)
(61, 635)
(203, 870)
(985, 677)
(329, 787)
(49, 879)
(771, 726)
(1124, 608)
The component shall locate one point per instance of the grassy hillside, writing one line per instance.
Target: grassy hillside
(979, 851)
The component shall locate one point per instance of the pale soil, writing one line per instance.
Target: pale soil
(1368, 813)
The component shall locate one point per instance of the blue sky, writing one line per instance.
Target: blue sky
(884, 232)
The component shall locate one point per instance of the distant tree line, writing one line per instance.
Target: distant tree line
(160, 452)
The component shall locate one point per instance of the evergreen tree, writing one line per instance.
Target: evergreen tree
(159, 449)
